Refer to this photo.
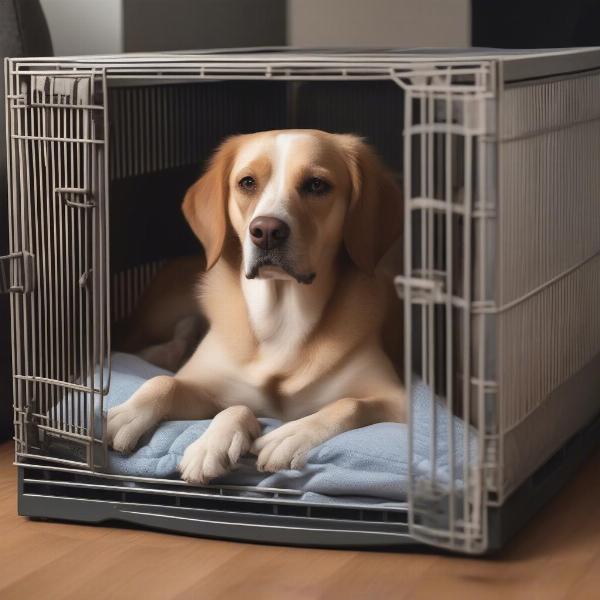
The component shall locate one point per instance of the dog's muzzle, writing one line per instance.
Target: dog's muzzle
(269, 236)
(273, 258)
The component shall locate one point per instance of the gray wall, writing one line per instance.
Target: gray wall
(189, 24)
(84, 26)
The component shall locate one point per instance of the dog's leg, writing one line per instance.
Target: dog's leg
(171, 355)
(228, 437)
(160, 398)
(166, 356)
(287, 446)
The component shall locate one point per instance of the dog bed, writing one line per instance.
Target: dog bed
(369, 465)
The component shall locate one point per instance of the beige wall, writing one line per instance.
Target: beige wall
(399, 23)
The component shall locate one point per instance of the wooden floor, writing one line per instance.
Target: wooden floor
(557, 556)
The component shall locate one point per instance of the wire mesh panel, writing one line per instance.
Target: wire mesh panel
(548, 268)
(58, 209)
(448, 211)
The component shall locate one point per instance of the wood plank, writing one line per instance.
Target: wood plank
(140, 563)
(271, 572)
(379, 575)
(588, 587)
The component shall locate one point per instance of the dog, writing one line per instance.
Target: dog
(294, 224)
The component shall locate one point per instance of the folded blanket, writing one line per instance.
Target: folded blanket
(367, 465)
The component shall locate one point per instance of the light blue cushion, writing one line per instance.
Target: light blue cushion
(368, 464)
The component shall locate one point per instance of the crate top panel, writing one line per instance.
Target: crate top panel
(339, 63)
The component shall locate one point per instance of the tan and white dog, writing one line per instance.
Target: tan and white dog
(293, 225)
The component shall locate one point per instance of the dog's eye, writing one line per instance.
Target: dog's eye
(316, 186)
(247, 183)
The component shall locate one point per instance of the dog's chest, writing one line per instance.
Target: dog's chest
(268, 398)
(281, 319)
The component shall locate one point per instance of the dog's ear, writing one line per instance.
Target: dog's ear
(376, 212)
(205, 202)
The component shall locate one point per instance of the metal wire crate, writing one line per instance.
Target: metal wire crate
(500, 283)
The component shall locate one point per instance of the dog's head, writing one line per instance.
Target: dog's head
(296, 199)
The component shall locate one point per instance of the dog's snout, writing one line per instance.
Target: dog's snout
(268, 232)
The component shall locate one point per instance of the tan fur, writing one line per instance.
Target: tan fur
(204, 203)
(312, 355)
(375, 215)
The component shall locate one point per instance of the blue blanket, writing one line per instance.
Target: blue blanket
(368, 464)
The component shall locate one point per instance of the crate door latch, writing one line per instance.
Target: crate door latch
(422, 291)
(16, 273)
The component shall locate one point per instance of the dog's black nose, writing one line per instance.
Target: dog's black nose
(268, 232)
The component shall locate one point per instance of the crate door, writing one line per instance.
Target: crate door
(59, 260)
(446, 212)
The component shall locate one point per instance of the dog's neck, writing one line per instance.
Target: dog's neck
(284, 313)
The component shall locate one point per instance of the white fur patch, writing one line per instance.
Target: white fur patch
(274, 199)
(279, 312)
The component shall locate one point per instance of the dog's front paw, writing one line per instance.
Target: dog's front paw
(127, 423)
(212, 455)
(286, 447)
(229, 436)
